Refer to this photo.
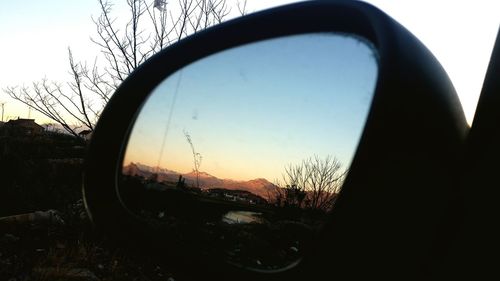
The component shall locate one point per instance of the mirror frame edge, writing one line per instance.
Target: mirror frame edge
(358, 18)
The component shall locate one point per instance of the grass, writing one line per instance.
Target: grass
(70, 252)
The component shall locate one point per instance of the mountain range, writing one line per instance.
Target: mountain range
(260, 186)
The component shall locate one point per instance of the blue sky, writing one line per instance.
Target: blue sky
(252, 110)
(36, 34)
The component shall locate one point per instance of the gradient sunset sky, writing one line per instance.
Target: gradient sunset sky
(252, 110)
(36, 34)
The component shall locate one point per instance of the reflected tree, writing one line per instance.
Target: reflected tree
(196, 158)
(313, 184)
(181, 182)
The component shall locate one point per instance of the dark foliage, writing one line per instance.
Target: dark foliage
(44, 172)
(39, 172)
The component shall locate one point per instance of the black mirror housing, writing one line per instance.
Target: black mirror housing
(389, 218)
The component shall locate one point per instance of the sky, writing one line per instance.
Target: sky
(460, 34)
(250, 111)
(36, 34)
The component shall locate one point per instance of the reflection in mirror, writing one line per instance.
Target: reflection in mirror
(242, 154)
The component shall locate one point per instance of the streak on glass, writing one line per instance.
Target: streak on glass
(241, 155)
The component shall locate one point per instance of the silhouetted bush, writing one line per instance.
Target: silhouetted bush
(39, 173)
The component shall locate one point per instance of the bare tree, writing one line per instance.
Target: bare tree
(196, 158)
(152, 25)
(61, 104)
(292, 191)
(314, 183)
(242, 7)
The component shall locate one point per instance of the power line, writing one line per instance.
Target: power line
(167, 124)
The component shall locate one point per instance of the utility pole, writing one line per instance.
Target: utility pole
(3, 105)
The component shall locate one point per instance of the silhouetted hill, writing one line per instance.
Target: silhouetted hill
(260, 186)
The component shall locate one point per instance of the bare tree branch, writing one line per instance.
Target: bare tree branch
(196, 158)
(123, 46)
(314, 183)
(77, 86)
(242, 7)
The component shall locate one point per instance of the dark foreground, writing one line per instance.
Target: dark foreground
(63, 247)
(40, 173)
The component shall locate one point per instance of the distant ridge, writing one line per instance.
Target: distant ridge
(260, 186)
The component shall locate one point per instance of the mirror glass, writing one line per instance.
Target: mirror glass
(241, 155)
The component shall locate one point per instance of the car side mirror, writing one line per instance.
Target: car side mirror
(295, 142)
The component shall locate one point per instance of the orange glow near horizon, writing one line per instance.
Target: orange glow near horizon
(250, 111)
